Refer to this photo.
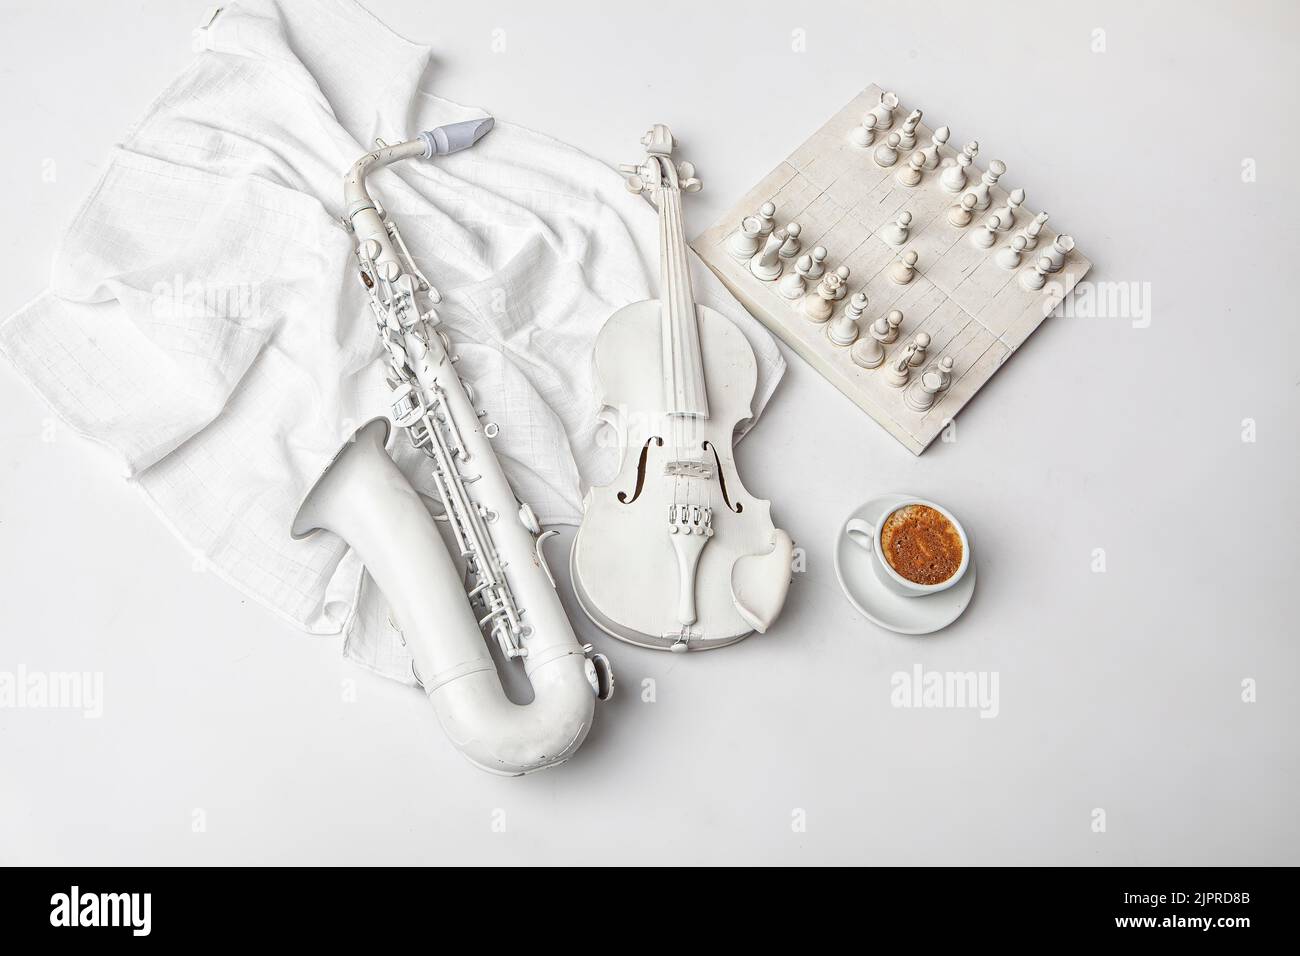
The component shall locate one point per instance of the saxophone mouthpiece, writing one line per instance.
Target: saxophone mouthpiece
(454, 137)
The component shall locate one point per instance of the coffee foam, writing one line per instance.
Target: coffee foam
(921, 544)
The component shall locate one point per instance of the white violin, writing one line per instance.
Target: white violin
(675, 553)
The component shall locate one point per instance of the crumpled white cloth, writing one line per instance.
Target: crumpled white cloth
(204, 322)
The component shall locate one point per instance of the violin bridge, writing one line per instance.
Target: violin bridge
(688, 468)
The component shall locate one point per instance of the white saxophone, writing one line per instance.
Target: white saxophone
(499, 585)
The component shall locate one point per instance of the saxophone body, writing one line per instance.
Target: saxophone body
(497, 586)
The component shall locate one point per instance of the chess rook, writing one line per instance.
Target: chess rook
(884, 111)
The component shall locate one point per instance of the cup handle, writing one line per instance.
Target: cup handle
(861, 533)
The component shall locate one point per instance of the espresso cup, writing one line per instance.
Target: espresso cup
(867, 536)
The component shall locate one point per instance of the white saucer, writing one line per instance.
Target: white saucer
(878, 604)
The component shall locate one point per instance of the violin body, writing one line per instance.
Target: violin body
(675, 553)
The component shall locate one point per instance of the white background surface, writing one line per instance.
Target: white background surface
(1118, 690)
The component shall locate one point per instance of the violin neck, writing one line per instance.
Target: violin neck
(683, 363)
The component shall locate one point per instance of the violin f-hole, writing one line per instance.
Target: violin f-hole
(640, 470)
(722, 480)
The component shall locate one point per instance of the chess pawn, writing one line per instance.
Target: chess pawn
(911, 176)
(886, 153)
(907, 135)
(904, 269)
(937, 139)
(843, 330)
(896, 232)
(843, 288)
(867, 352)
(1035, 278)
(963, 212)
(864, 134)
(795, 284)
(1007, 214)
(919, 344)
(1031, 231)
(901, 367)
(987, 181)
(744, 242)
(790, 248)
(884, 111)
(818, 262)
(892, 322)
(934, 380)
(767, 264)
(985, 235)
(1008, 256)
(818, 305)
(1057, 251)
(766, 219)
(953, 179)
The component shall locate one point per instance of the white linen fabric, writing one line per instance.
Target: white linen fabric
(203, 319)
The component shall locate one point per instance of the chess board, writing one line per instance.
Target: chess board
(974, 311)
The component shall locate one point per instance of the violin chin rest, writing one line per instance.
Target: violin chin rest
(759, 582)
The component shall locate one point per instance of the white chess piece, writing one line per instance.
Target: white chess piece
(884, 111)
(869, 351)
(953, 179)
(907, 135)
(1057, 251)
(937, 139)
(1031, 231)
(794, 285)
(864, 134)
(920, 342)
(900, 367)
(766, 219)
(903, 270)
(744, 242)
(1035, 278)
(1007, 214)
(963, 212)
(986, 235)
(911, 176)
(987, 181)
(896, 232)
(933, 380)
(886, 153)
(1008, 256)
(790, 248)
(818, 262)
(767, 264)
(843, 329)
(843, 289)
(818, 305)
(892, 322)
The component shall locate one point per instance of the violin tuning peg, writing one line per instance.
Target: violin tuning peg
(686, 170)
(691, 185)
(635, 184)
